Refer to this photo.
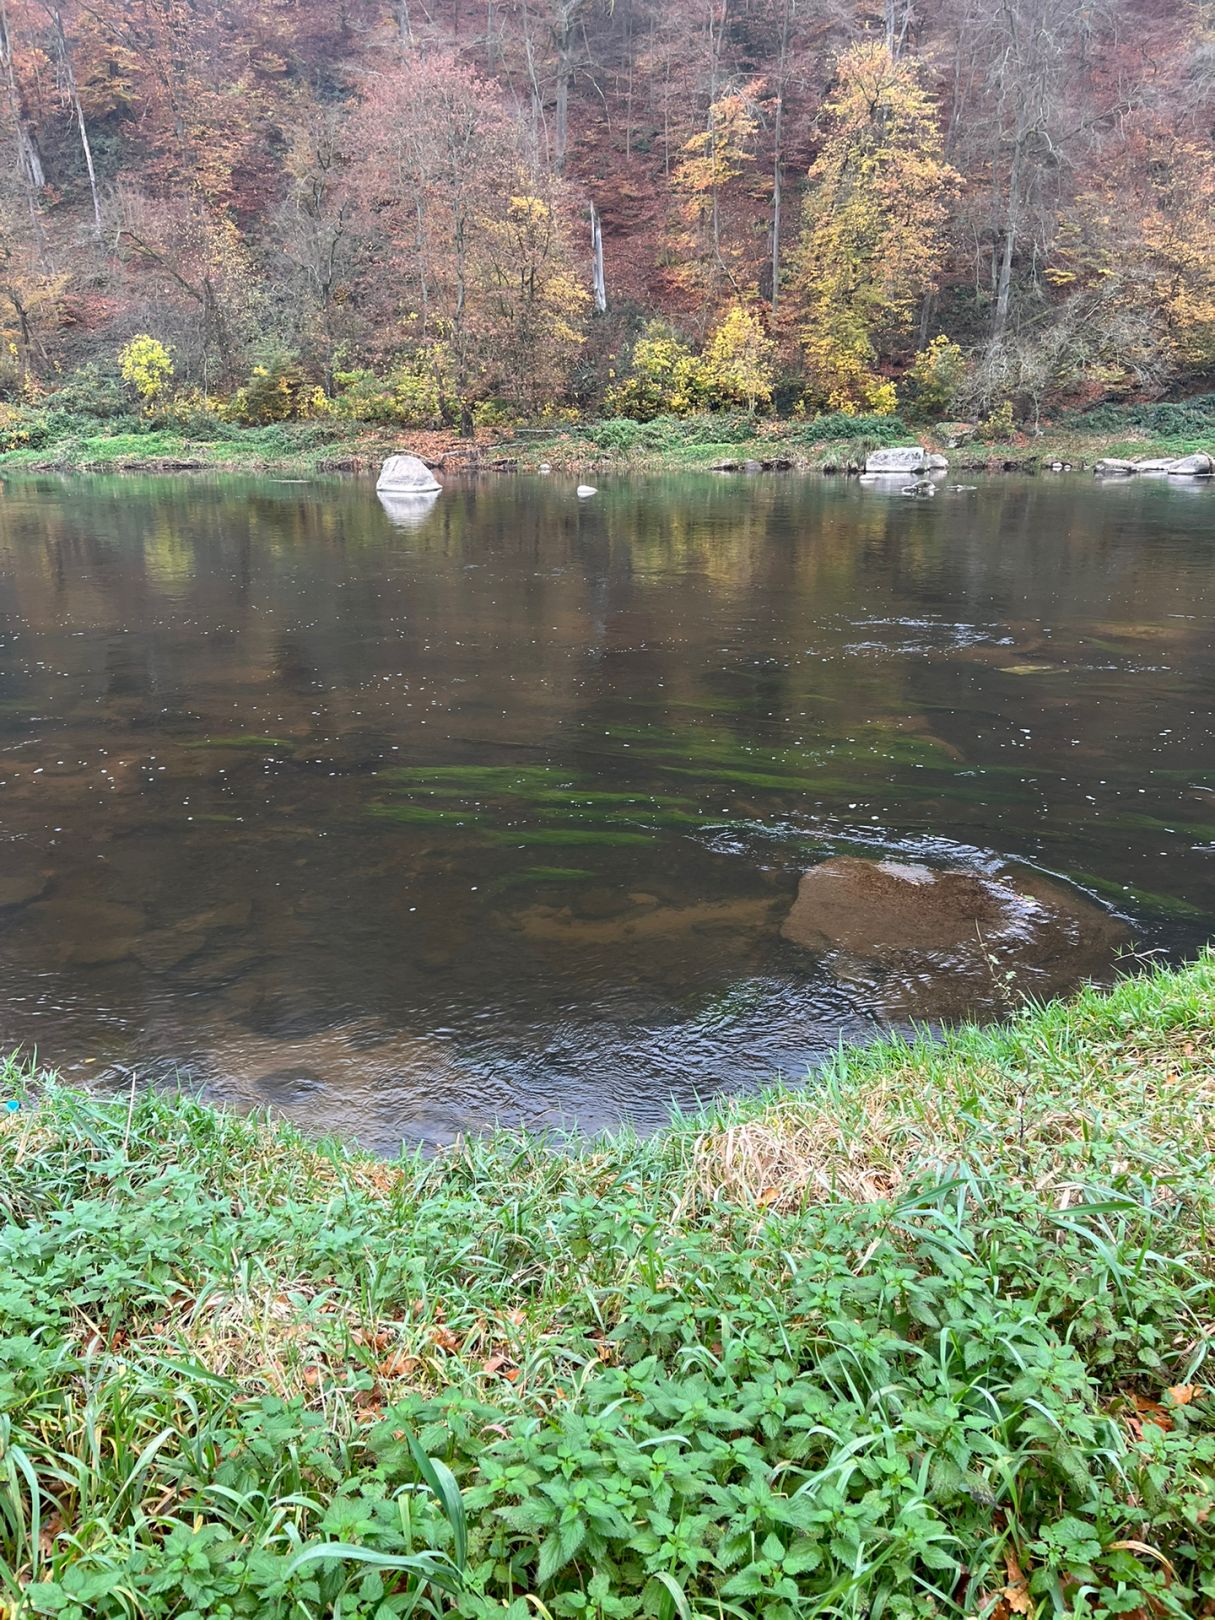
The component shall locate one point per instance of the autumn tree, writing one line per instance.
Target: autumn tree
(473, 237)
(317, 242)
(712, 158)
(737, 366)
(534, 302)
(193, 279)
(872, 234)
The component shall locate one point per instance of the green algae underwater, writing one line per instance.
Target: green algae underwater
(494, 813)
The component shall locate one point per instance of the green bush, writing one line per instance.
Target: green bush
(1184, 418)
(934, 379)
(92, 390)
(838, 425)
(26, 427)
(413, 393)
(663, 378)
(277, 390)
(623, 433)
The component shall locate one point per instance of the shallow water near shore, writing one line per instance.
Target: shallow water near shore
(408, 820)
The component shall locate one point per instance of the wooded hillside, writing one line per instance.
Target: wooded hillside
(988, 206)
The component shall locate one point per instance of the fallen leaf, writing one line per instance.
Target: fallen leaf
(1152, 1412)
(1183, 1394)
(1016, 1592)
(397, 1365)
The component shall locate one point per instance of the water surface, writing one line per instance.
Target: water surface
(406, 821)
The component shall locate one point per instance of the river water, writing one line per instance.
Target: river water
(404, 822)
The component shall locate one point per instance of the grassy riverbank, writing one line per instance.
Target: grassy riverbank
(929, 1339)
(51, 441)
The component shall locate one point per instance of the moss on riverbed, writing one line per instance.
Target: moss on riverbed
(929, 1338)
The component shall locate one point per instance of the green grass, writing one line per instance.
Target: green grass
(61, 440)
(930, 1338)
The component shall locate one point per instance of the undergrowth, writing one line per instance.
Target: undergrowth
(929, 1338)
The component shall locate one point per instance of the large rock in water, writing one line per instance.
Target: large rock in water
(920, 943)
(903, 459)
(1199, 465)
(406, 475)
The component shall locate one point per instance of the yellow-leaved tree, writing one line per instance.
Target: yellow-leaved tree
(736, 367)
(533, 304)
(147, 367)
(712, 158)
(872, 234)
(1177, 230)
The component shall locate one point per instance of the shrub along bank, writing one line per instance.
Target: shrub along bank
(928, 1338)
(184, 436)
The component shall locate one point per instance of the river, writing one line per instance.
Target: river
(403, 822)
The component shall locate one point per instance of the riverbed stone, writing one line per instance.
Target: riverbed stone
(407, 475)
(920, 942)
(19, 889)
(1114, 467)
(900, 459)
(1199, 465)
(163, 949)
(88, 931)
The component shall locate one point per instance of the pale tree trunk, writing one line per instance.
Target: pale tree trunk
(564, 31)
(898, 19)
(65, 58)
(28, 160)
(598, 280)
(561, 117)
(1011, 223)
(715, 39)
(778, 152)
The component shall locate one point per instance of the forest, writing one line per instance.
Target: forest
(441, 213)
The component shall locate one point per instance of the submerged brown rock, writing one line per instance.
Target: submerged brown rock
(921, 943)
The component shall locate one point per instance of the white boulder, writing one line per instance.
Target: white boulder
(407, 475)
(1195, 466)
(897, 460)
(584, 490)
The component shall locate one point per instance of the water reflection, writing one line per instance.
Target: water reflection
(407, 511)
(402, 829)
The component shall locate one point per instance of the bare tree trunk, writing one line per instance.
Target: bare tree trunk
(1011, 222)
(598, 280)
(28, 159)
(65, 58)
(778, 152)
(898, 21)
(561, 115)
(564, 31)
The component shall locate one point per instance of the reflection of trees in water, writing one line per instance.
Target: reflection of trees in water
(684, 639)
